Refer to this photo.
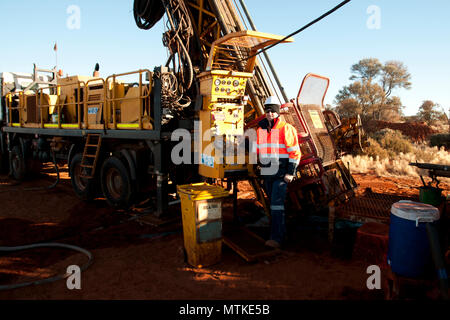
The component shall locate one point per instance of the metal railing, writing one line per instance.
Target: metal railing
(108, 102)
(58, 105)
(9, 101)
(112, 100)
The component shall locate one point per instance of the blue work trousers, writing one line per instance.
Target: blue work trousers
(276, 190)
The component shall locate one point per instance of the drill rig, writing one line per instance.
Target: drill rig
(199, 34)
(116, 135)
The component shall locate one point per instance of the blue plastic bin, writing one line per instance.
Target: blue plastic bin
(409, 251)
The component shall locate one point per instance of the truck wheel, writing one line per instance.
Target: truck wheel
(84, 188)
(116, 183)
(17, 163)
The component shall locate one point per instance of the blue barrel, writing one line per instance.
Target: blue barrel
(409, 252)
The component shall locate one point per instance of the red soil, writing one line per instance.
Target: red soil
(128, 266)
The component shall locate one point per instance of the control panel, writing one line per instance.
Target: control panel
(218, 84)
(228, 87)
(222, 123)
(227, 119)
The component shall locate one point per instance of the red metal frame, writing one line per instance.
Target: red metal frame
(310, 75)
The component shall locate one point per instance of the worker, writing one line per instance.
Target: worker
(279, 155)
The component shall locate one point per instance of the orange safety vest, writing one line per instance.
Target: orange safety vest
(280, 143)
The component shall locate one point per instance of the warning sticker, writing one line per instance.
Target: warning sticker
(207, 160)
(315, 117)
(92, 110)
(208, 210)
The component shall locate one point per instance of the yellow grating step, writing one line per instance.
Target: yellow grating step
(90, 155)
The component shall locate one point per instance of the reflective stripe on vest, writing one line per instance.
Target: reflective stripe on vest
(269, 146)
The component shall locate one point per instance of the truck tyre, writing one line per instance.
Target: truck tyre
(17, 163)
(116, 183)
(84, 188)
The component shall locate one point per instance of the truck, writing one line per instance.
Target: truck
(118, 134)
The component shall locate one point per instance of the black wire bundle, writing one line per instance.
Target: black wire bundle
(171, 101)
(147, 13)
(177, 39)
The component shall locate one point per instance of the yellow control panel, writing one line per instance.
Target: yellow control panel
(228, 87)
(218, 84)
(226, 119)
(222, 123)
(222, 127)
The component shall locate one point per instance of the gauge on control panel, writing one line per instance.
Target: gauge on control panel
(236, 83)
(217, 82)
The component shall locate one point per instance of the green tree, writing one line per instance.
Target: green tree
(429, 112)
(366, 69)
(371, 92)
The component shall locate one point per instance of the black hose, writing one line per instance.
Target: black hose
(45, 245)
(147, 13)
(188, 63)
(298, 31)
(54, 184)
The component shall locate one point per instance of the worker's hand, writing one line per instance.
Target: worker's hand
(288, 178)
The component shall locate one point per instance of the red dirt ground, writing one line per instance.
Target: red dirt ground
(129, 266)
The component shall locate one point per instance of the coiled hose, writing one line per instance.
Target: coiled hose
(147, 13)
(45, 245)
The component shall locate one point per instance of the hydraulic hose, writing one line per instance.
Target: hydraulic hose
(188, 61)
(147, 13)
(57, 177)
(45, 245)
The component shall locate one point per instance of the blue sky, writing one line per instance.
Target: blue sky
(414, 32)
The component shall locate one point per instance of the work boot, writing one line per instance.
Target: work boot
(272, 243)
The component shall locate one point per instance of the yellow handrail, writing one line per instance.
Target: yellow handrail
(111, 101)
(60, 105)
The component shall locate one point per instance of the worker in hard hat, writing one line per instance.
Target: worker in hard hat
(279, 154)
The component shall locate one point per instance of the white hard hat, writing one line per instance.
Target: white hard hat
(272, 100)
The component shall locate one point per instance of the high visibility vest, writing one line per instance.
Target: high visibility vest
(280, 143)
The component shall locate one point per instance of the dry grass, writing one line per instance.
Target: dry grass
(398, 166)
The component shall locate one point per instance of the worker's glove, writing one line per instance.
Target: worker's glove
(288, 178)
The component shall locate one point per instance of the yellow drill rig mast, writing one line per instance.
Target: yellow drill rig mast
(194, 25)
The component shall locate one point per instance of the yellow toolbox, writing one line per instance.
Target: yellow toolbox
(201, 206)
